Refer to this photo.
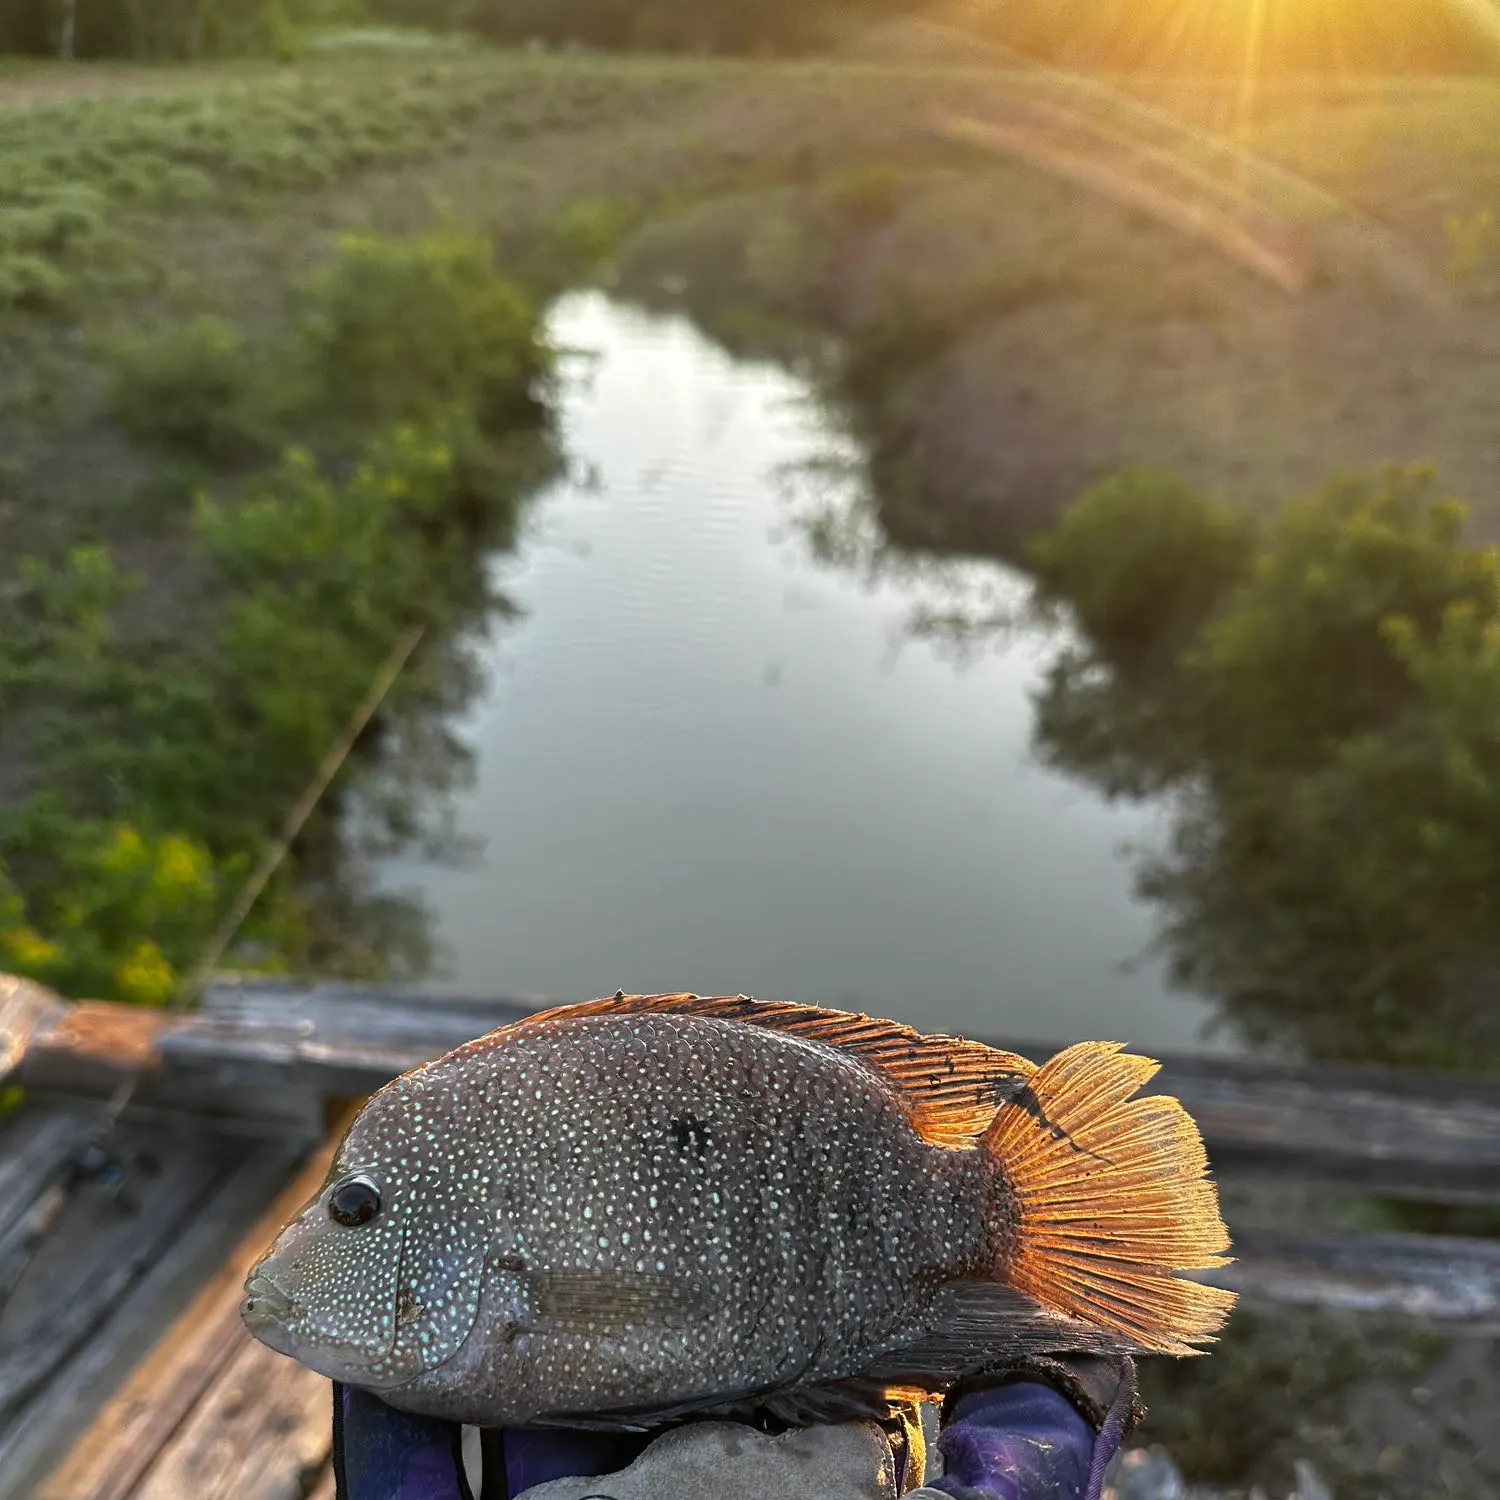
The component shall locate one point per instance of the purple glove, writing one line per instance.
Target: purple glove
(1042, 1430)
(380, 1453)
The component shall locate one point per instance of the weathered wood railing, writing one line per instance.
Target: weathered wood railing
(271, 1053)
(237, 1093)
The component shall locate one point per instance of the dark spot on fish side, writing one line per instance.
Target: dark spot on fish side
(690, 1133)
(408, 1309)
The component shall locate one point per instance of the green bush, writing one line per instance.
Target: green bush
(413, 375)
(200, 387)
(134, 912)
(1141, 559)
(31, 282)
(1301, 658)
(400, 329)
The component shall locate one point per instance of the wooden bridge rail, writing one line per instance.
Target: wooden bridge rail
(266, 1054)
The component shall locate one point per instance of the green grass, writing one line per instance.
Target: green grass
(83, 181)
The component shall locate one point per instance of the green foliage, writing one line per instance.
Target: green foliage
(1335, 867)
(168, 752)
(27, 281)
(74, 177)
(285, 39)
(396, 329)
(1302, 659)
(169, 28)
(134, 910)
(1141, 560)
(82, 182)
(389, 331)
(198, 387)
(590, 231)
(65, 609)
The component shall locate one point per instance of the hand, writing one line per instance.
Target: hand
(1035, 1429)
(380, 1453)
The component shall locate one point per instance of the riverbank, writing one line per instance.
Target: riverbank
(1006, 329)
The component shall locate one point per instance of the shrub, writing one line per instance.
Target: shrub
(31, 282)
(132, 912)
(1301, 658)
(1142, 559)
(199, 387)
(1334, 872)
(401, 329)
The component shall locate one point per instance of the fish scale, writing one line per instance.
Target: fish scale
(657, 1206)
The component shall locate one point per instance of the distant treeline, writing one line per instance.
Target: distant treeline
(1189, 36)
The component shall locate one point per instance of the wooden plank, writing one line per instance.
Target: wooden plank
(262, 1432)
(109, 1460)
(1376, 1131)
(92, 1047)
(25, 1008)
(44, 1430)
(95, 1256)
(36, 1146)
(1430, 1136)
(1435, 1280)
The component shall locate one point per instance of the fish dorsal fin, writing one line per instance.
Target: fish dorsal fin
(951, 1086)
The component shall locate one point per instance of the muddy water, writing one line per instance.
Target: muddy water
(711, 756)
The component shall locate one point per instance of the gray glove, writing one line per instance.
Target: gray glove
(729, 1461)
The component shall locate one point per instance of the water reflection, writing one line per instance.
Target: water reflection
(1324, 718)
(711, 755)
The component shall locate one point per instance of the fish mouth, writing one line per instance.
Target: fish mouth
(266, 1311)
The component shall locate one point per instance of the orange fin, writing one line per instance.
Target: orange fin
(951, 1087)
(1108, 1200)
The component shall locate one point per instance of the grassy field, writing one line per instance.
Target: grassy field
(1010, 331)
(1045, 335)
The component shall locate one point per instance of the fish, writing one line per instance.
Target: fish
(634, 1211)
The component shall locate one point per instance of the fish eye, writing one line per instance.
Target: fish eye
(354, 1201)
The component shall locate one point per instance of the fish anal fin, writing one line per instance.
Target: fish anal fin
(950, 1086)
(608, 1301)
(980, 1323)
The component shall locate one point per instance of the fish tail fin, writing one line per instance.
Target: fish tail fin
(1105, 1199)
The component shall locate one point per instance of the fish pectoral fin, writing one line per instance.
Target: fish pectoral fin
(609, 1299)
